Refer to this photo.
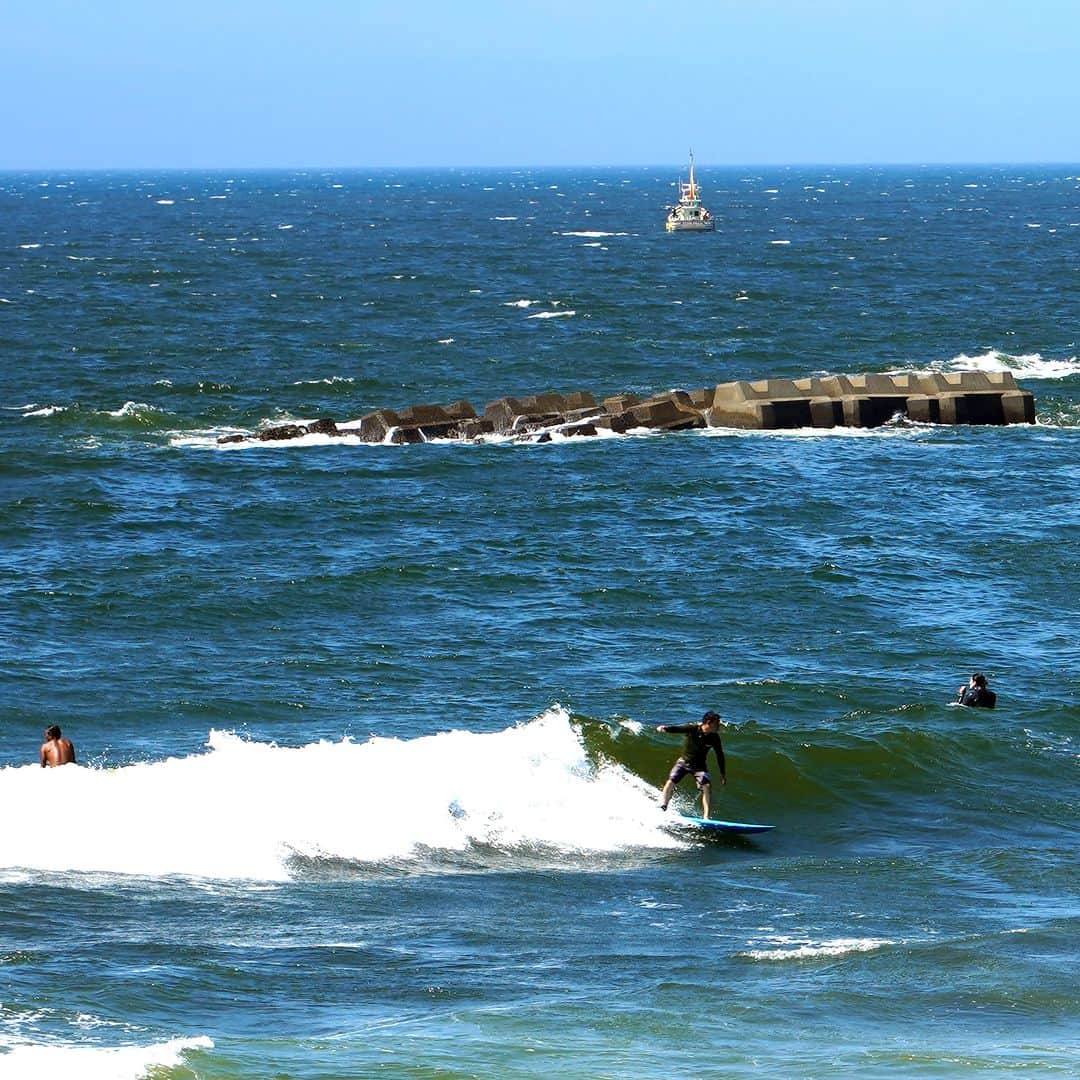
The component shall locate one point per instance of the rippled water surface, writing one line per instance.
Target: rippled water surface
(368, 774)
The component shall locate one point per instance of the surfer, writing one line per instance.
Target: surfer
(977, 694)
(697, 738)
(56, 750)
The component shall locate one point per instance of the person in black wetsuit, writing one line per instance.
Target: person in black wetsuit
(977, 694)
(697, 738)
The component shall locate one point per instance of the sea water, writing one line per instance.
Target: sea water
(368, 773)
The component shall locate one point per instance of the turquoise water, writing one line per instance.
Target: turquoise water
(367, 770)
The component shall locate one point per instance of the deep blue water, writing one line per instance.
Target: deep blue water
(368, 774)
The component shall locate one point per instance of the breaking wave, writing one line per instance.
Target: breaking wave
(44, 1061)
(1025, 366)
(247, 810)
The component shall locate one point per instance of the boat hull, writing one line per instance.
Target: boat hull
(690, 226)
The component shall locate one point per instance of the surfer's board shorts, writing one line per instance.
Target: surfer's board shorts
(682, 768)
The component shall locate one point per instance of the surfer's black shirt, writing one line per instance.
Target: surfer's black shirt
(696, 743)
(978, 697)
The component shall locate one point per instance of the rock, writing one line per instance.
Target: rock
(323, 426)
(280, 433)
(232, 438)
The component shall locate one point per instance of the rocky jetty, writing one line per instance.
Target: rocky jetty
(963, 397)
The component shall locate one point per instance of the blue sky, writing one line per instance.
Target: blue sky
(239, 83)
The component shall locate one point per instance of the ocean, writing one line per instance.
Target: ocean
(368, 772)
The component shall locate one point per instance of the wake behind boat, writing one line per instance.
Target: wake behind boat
(688, 215)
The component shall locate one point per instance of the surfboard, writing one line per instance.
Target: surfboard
(713, 825)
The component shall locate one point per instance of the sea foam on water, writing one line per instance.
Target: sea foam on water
(48, 1062)
(244, 809)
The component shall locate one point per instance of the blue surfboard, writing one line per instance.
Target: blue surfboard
(713, 825)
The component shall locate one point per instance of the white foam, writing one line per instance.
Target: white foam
(779, 241)
(48, 1062)
(29, 247)
(133, 408)
(333, 380)
(166, 202)
(520, 303)
(1024, 366)
(504, 219)
(593, 234)
(526, 787)
(46, 410)
(787, 948)
(551, 315)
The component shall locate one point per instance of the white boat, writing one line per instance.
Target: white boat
(688, 215)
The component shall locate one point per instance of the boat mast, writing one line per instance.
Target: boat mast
(693, 188)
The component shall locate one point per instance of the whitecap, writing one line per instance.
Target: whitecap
(779, 241)
(520, 303)
(29, 247)
(166, 202)
(788, 948)
(551, 314)
(133, 408)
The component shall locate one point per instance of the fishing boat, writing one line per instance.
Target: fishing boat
(688, 215)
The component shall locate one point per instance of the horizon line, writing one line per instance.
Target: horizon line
(999, 164)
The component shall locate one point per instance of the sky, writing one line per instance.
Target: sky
(372, 83)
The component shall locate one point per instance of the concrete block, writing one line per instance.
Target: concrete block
(409, 434)
(952, 408)
(423, 414)
(1018, 407)
(460, 410)
(985, 409)
(745, 414)
(502, 412)
(375, 426)
(667, 414)
(858, 411)
(924, 409)
(826, 412)
(471, 429)
(618, 403)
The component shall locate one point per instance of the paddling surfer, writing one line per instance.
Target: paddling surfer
(977, 694)
(697, 739)
(56, 750)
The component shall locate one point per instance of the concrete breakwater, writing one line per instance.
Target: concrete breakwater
(963, 397)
